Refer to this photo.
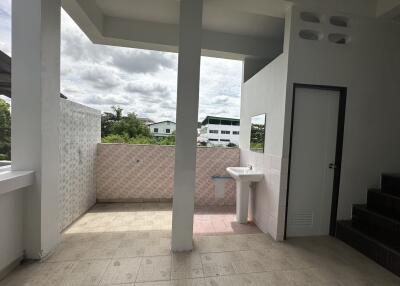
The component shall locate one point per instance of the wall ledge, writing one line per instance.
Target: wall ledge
(13, 180)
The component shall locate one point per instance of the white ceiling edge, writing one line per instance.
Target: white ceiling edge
(384, 7)
(114, 31)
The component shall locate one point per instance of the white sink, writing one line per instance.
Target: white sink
(244, 176)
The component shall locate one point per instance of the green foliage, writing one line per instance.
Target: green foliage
(115, 123)
(5, 130)
(116, 128)
(114, 138)
(131, 126)
(123, 139)
(257, 137)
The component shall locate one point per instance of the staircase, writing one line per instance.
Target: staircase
(375, 227)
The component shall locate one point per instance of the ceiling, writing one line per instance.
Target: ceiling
(231, 28)
(261, 18)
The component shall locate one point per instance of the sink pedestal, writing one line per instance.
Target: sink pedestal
(242, 201)
(243, 176)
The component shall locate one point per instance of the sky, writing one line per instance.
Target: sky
(139, 81)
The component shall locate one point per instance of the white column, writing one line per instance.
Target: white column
(186, 119)
(35, 116)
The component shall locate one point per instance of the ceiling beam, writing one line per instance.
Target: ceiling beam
(140, 34)
(164, 37)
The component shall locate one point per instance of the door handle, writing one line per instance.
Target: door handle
(332, 166)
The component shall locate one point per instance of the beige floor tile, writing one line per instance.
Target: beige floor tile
(87, 272)
(129, 252)
(181, 282)
(237, 280)
(69, 251)
(158, 247)
(142, 232)
(217, 264)
(39, 274)
(98, 253)
(121, 270)
(154, 283)
(156, 268)
(186, 265)
(258, 261)
(189, 282)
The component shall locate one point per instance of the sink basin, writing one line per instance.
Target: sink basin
(244, 176)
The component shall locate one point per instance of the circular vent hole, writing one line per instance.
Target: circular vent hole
(340, 39)
(339, 21)
(310, 35)
(310, 17)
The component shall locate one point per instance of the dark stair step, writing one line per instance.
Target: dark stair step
(390, 184)
(384, 229)
(382, 203)
(369, 246)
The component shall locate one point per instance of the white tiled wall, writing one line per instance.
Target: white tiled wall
(265, 93)
(80, 131)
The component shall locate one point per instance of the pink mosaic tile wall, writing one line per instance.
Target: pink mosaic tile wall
(146, 173)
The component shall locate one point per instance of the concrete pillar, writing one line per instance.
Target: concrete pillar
(35, 116)
(186, 119)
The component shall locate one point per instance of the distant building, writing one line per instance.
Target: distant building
(146, 121)
(219, 131)
(162, 129)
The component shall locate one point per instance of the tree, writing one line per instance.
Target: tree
(5, 130)
(131, 126)
(118, 112)
(114, 123)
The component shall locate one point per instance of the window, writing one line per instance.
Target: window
(214, 121)
(167, 130)
(213, 139)
(225, 132)
(236, 123)
(214, 131)
(235, 132)
(224, 140)
(226, 122)
(155, 130)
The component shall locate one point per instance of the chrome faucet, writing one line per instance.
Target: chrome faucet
(250, 167)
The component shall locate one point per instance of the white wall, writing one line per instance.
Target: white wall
(265, 93)
(369, 66)
(162, 128)
(80, 132)
(233, 138)
(35, 116)
(11, 228)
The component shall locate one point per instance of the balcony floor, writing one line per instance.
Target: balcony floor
(128, 244)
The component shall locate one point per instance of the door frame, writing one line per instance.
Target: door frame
(339, 149)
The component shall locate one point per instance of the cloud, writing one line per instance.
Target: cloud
(137, 80)
(140, 61)
(101, 78)
(146, 90)
(5, 26)
(109, 100)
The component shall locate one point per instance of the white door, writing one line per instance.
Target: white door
(314, 133)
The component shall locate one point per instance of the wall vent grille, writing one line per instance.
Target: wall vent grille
(304, 218)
